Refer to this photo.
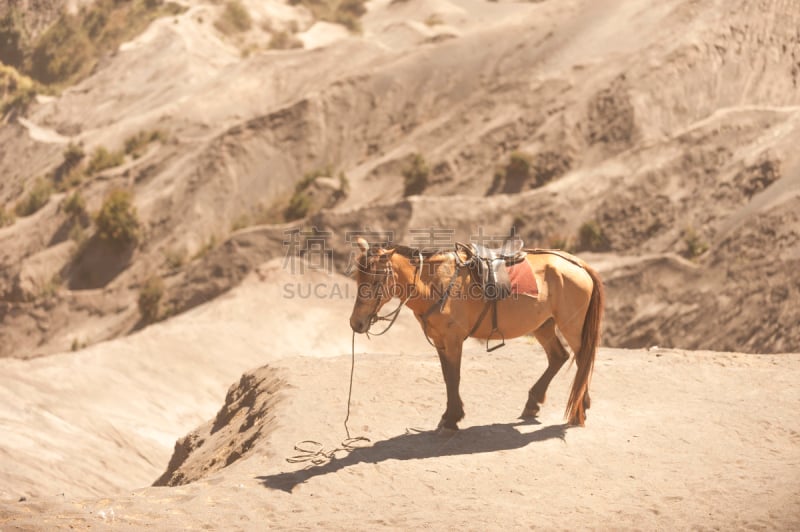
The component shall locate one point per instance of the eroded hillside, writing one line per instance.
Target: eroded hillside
(659, 141)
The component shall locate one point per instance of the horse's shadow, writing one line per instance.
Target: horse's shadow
(420, 445)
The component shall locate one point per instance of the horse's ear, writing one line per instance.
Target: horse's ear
(363, 244)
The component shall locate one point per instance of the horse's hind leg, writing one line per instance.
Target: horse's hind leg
(556, 356)
(572, 334)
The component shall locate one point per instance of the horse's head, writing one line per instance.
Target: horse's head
(374, 282)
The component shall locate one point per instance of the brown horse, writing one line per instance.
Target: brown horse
(570, 297)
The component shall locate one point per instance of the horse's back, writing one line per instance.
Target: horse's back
(557, 269)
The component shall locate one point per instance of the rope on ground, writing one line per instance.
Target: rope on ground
(312, 451)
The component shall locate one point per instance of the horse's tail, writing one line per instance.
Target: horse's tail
(590, 339)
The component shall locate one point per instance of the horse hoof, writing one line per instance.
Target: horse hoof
(446, 428)
(575, 422)
(445, 431)
(529, 413)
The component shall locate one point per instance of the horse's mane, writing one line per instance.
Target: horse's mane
(413, 253)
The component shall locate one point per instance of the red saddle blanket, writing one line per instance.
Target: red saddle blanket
(522, 280)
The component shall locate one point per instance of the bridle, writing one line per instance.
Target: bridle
(391, 317)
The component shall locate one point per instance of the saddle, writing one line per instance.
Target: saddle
(488, 267)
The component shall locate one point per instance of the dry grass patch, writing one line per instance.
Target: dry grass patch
(150, 296)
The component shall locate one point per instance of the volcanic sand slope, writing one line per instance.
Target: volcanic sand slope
(673, 439)
(104, 419)
(671, 127)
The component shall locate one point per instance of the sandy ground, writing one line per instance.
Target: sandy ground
(674, 439)
(672, 126)
(104, 419)
(659, 120)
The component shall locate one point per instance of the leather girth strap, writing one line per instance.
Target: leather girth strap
(488, 267)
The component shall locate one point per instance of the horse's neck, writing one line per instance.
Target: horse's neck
(424, 278)
(405, 274)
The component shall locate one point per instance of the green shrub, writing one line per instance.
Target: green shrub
(72, 45)
(135, 145)
(17, 91)
(150, 296)
(18, 102)
(695, 246)
(37, 198)
(12, 39)
(299, 206)
(300, 202)
(75, 206)
(63, 52)
(309, 177)
(592, 238)
(109, 23)
(68, 173)
(415, 175)
(234, 18)
(73, 155)
(117, 221)
(102, 159)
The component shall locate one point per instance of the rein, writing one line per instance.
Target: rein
(313, 451)
(458, 265)
(391, 317)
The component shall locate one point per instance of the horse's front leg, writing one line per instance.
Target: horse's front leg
(450, 357)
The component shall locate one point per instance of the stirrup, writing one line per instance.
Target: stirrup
(498, 346)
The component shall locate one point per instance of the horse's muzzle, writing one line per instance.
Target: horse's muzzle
(359, 325)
